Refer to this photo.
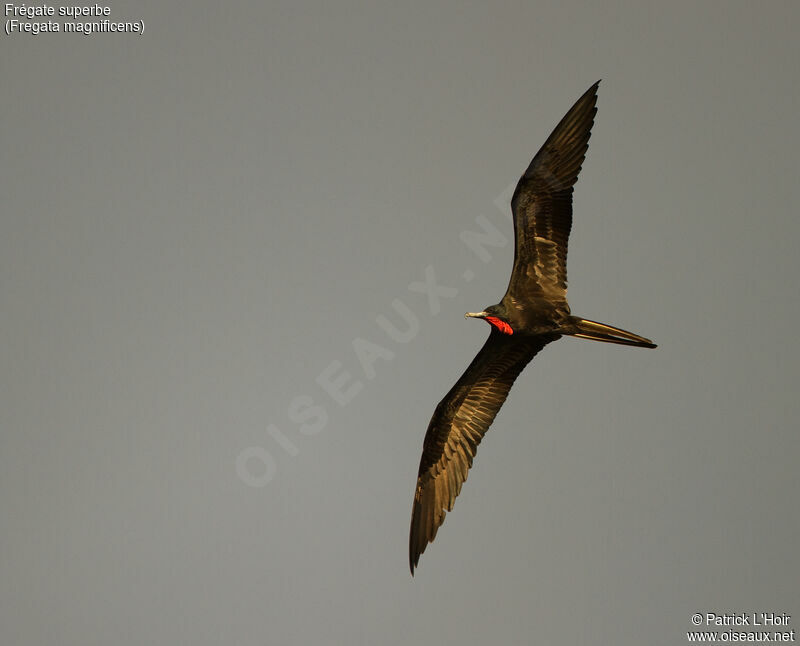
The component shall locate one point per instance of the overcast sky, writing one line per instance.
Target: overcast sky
(207, 226)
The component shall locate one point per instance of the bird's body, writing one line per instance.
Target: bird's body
(533, 312)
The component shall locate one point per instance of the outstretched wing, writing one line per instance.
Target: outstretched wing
(459, 423)
(542, 207)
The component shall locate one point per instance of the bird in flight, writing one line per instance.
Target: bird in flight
(533, 313)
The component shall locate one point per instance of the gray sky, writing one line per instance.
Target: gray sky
(201, 222)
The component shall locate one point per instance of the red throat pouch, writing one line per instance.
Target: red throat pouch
(504, 327)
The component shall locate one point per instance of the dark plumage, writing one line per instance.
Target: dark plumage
(533, 312)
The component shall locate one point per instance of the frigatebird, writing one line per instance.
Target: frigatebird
(533, 313)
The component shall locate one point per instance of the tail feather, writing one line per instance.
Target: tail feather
(594, 331)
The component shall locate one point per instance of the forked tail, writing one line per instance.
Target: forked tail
(585, 329)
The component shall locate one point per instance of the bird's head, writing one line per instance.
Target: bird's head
(494, 316)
